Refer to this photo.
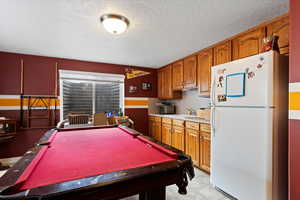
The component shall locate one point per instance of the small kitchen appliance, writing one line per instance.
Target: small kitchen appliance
(167, 108)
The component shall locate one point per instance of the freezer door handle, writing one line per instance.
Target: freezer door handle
(213, 90)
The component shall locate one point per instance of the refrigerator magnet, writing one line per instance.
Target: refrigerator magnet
(222, 98)
(235, 85)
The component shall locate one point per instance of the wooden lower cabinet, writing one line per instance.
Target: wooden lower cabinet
(157, 131)
(155, 127)
(178, 138)
(151, 126)
(166, 133)
(192, 145)
(190, 137)
(205, 151)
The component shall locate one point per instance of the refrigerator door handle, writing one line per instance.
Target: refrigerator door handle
(213, 121)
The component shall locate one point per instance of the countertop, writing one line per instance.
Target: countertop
(182, 117)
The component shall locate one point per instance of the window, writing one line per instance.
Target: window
(89, 93)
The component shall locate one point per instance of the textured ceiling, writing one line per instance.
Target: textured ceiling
(160, 31)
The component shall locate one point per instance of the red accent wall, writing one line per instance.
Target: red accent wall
(294, 41)
(39, 74)
(10, 71)
(294, 125)
(39, 79)
(138, 114)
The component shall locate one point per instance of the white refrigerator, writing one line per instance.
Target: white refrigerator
(249, 120)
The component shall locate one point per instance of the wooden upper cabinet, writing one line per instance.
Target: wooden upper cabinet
(205, 62)
(177, 72)
(185, 73)
(167, 82)
(280, 28)
(165, 89)
(248, 44)
(190, 72)
(160, 83)
(222, 53)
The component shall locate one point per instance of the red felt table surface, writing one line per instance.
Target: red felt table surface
(83, 153)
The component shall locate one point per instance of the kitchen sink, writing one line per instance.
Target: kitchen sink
(193, 117)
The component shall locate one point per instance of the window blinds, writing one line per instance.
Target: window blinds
(77, 97)
(87, 93)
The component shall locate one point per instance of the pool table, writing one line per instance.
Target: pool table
(107, 162)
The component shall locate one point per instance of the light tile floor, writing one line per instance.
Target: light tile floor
(9, 161)
(2, 172)
(198, 189)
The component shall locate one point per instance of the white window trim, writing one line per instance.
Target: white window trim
(92, 77)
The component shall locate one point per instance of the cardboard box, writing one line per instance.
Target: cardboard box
(204, 113)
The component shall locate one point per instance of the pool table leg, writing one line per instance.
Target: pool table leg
(155, 194)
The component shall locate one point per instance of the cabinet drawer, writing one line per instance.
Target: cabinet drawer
(205, 127)
(192, 132)
(192, 125)
(157, 119)
(166, 125)
(205, 135)
(177, 122)
(166, 120)
(178, 129)
(151, 118)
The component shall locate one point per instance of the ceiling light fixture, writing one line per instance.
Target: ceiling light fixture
(114, 24)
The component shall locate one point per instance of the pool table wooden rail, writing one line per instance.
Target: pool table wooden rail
(148, 181)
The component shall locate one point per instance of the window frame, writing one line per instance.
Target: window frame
(92, 77)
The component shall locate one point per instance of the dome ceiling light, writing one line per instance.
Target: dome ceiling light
(114, 24)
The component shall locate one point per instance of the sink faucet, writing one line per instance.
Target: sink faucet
(191, 111)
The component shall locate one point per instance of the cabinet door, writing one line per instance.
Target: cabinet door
(248, 44)
(157, 131)
(222, 53)
(177, 72)
(166, 134)
(205, 62)
(205, 151)
(178, 138)
(160, 83)
(167, 82)
(151, 128)
(281, 29)
(192, 145)
(190, 72)
(165, 89)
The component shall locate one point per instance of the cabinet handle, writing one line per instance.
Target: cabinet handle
(195, 135)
